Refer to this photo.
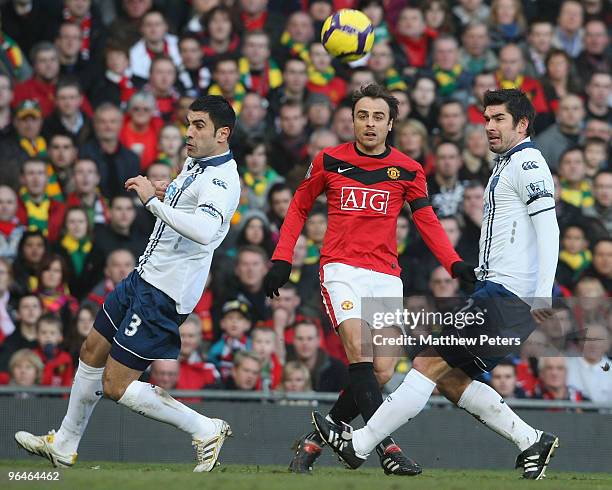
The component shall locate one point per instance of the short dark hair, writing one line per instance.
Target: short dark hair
(68, 81)
(517, 104)
(376, 91)
(569, 150)
(50, 318)
(218, 109)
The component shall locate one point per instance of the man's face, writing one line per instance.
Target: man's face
(381, 58)
(320, 142)
(602, 258)
(257, 50)
(163, 75)
(292, 121)
(360, 79)
(34, 249)
(482, 84)
(599, 89)
(473, 201)
(35, 178)
(120, 264)
(251, 269)
(46, 65)
(280, 202)
(572, 166)
(8, 203)
(165, 374)
(159, 172)
(372, 122)
(448, 160)
(452, 119)
(135, 9)
(342, 124)
(300, 28)
(295, 75)
(442, 285)
(541, 36)
(595, 37)
(226, 75)
(78, 8)
(476, 40)
(154, 28)
(253, 111)
(86, 177)
(62, 152)
(191, 54)
(570, 17)
(6, 93)
(316, 226)
(28, 127)
(69, 40)
(597, 128)
(446, 54)
(201, 137)
(287, 300)
(451, 228)
(253, 7)
(190, 338)
(107, 124)
(571, 112)
(554, 373)
(117, 61)
(29, 310)
(503, 380)
(411, 23)
(501, 131)
(68, 101)
(602, 190)
(424, 92)
(306, 341)
(122, 213)
(246, 374)
(48, 333)
(596, 343)
(511, 62)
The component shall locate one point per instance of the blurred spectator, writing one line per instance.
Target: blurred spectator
(86, 16)
(559, 79)
(195, 373)
(601, 210)
(423, 102)
(86, 194)
(13, 64)
(575, 188)
(552, 381)
(119, 264)
(322, 77)
(171, 144)
(296, 378)
(411, 139)
(255, 231)
(222, 38)
(35, 209)
(564, 133)
(26, 370)
(126, 27)
(451, 121)
(503, 380)
(155, 41)
(80, 329)
(294, 41)
(115, 162)
(477, 158)
(7, 301)
(11, 228)
(192, 77)
(412, 42)
(235, 322)
(6, 98)
(165, 373)
(264, 341)
(445, 188)
(117, 85)
(289, 147)
(596, 128)
(476, 53)
(279, 198)
(161, 84)
(140, 130)
(252, 124)
(58, 368)
(326, 372)
(53, 289)
(30, 252)
(319, 111)
(473, 207)
(258, 175)
(245, 372)
(595, 156)
(601, 267)
(482, 82)
(454, 78)
(381, 62)
(588, 373)
(226, 78)
(403, 105)
(599, 92)
(72, 61)
(596, 56)
(68, 116)
(569, 33)
(467, 11)
(438, 16)
(258, 72)
(315, 228)
(342, 124)
(507, 22)
(29, 309)
(539, 43)
(575, 257)
(62, 155)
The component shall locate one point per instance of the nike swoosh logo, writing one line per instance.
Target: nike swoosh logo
(342, 170)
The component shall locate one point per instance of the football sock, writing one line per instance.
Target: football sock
(84, 395)
(345, 409)
(399, 407)
(487, 406)
(155, 403)
(365, 389)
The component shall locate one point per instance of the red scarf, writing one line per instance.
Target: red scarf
(152, 54)
(85, 25)
(7, 227)
(255, 23)
(416, 49)
(233, 46)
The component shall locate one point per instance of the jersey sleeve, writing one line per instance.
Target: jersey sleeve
(534, 184)
(305, 195)
(427, 222)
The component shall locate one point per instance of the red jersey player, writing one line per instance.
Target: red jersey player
(366, 184)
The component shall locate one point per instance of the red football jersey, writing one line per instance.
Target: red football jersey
(365, 194)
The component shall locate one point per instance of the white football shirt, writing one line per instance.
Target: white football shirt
(172, 262)
(520, 187)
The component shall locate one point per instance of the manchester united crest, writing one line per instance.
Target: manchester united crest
(347, 305)
(393, 173)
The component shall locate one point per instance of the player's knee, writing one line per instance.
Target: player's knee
(94, 350)
(111, 388)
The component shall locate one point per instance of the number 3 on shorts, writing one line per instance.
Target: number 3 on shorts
(132, 328)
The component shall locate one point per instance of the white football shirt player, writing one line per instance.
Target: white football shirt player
(191, 223)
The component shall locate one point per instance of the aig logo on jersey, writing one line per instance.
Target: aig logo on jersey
(362, 199)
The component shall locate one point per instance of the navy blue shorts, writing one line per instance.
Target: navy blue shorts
(140, 322)
(507, 322)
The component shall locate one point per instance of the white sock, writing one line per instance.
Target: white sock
(155, 403)
(400, 406)
(85, 393)
(486, 405)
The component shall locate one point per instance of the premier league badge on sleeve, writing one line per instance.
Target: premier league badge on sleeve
(536, 188)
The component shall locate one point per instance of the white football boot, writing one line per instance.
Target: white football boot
(207, 450)
(44, 446)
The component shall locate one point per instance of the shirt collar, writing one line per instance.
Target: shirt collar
(213, 161)
(521, 145)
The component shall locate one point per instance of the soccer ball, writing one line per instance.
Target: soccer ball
(347, 35)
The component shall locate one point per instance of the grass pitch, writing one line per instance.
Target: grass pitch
(102, 475)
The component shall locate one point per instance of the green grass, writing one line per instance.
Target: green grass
(89, 475)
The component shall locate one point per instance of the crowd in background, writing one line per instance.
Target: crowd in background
(95, 92)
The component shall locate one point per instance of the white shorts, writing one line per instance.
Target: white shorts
(344, 286)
